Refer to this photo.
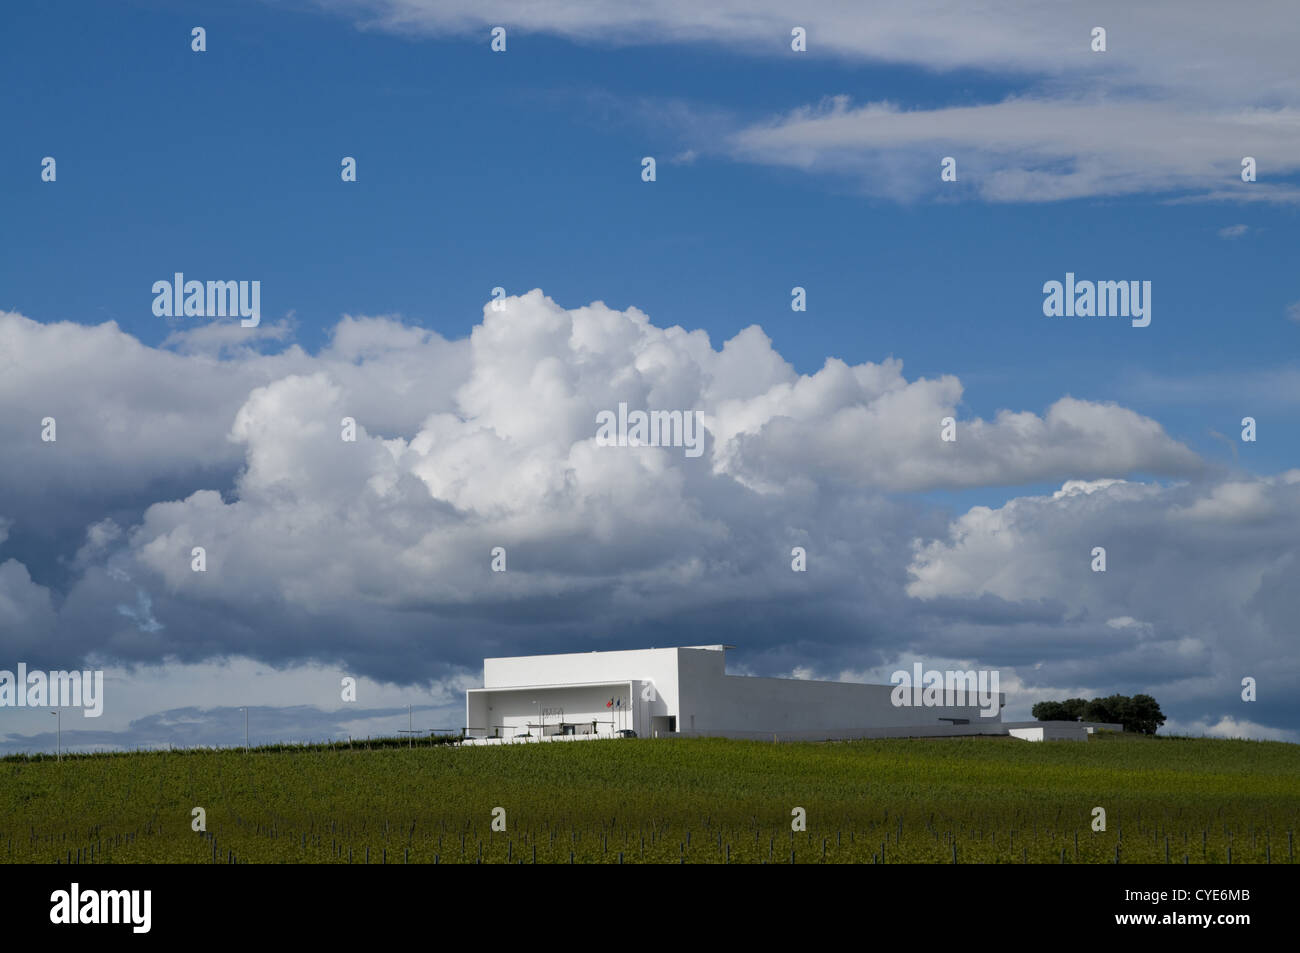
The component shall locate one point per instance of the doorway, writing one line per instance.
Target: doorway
(661, 725)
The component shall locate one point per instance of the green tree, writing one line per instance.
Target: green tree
(1049, 711)
(1110, 709)
(1069, 710)
(1143, 715)
(1140, 714)
(1074, 708)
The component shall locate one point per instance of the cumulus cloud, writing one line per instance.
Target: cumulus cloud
(1192, 598)
(826, 423)
(1229, 727)
(134, 422)
(1041, 547)
(26, 609)
(375, 554)
(405, 521)
(27, 614)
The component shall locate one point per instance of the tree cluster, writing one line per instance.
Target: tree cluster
(1140, 713)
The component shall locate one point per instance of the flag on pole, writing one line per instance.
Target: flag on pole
(610, 703)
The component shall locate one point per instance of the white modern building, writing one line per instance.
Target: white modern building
(686, 692)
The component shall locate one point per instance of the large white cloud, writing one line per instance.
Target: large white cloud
(1198, 591)
(376, 553)
(410, 520)
(142, 414)
(27, 614)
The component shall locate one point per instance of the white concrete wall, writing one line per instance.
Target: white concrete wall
(655, 668)
(1050, 733)
(476, 719)
(1026, 734)
(1057, 730)
(763, 706)
(510, 711)
(736, 703)
(692, 684)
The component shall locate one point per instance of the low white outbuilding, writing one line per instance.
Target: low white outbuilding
(686, 691)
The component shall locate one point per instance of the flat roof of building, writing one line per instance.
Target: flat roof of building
(660, 648)
(544, 686)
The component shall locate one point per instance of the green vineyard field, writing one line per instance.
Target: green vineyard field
(972, 800)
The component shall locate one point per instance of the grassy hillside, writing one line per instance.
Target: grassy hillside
(995, 800)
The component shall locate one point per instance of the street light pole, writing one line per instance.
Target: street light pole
(58, 729)
(410, 725)
(245, 711)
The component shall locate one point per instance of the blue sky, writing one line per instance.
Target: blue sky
(522, 170)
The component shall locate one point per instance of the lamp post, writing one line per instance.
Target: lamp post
(245, 711)
(410, 726)
(58, 733)
(537, 714)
